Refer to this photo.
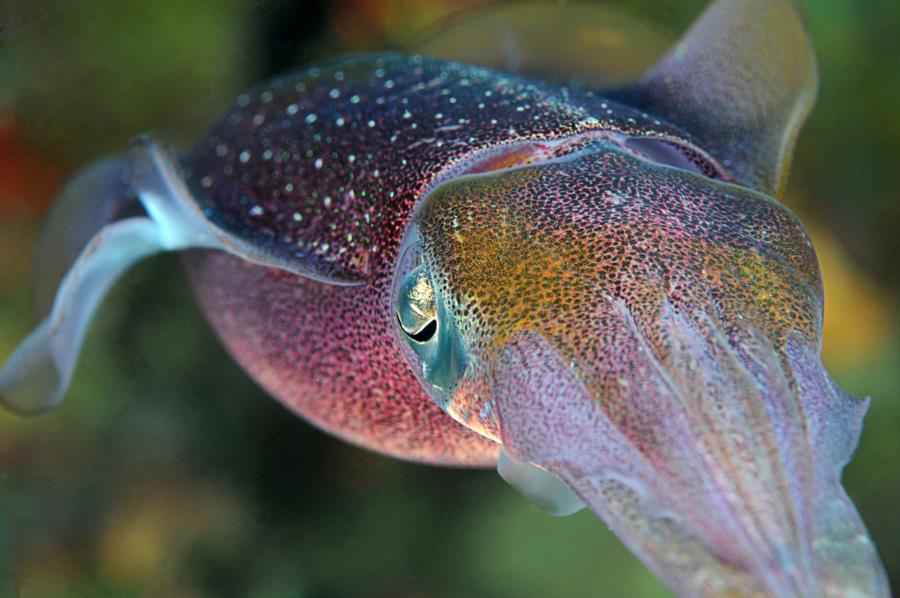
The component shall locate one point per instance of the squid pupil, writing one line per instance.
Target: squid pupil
(425, 334)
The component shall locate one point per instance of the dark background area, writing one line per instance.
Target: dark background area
(167, 472)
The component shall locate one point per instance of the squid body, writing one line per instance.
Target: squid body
(594, 290)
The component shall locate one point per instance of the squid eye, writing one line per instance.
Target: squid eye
(424, 335)
(432, 340)
(417, 307)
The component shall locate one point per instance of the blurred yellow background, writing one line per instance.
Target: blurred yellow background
(168, 473)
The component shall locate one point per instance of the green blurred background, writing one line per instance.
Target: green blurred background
(168, 473)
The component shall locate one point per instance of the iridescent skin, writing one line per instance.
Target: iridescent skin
(455, 265)
(307, 166)
(642, 331)
(650, 337)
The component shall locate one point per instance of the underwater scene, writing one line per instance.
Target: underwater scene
(444, 298)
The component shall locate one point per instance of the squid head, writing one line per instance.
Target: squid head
(489, 264)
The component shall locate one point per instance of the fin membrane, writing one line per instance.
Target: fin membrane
(742, 80)
(98, 195)
(600, 47)
(36, 375)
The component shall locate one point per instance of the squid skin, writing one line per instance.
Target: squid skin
(655, 345)
(330, 176)
(626, 319)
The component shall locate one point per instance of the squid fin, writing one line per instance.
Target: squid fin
(35, 377)
(99, 194)
(602, 47)
(742, 80)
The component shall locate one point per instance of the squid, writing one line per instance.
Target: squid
(588, 284)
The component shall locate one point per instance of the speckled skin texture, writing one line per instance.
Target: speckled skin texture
(651, 336)
(441, 262)
(630, 320)
(325, 167)
(543, 248)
